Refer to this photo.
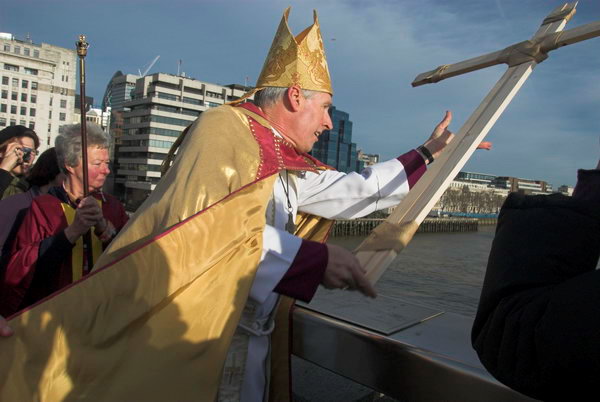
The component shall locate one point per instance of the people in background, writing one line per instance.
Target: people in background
(49, 251)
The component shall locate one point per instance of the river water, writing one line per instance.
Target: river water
(439, 270)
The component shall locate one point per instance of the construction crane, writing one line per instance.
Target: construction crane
(142, 74)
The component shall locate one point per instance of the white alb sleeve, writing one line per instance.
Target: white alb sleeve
(337, 195)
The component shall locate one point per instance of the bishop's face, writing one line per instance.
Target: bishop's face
(311, 120)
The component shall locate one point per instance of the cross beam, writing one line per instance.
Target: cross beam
(535, 49)
(388, 239)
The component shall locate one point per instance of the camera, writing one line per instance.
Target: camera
(27, 153)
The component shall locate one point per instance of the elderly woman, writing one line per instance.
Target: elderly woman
(18, 148)
(49, 252)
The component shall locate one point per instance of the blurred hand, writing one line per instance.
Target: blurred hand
(5, 330)
(344, 272)
(440, 137)
(88, 214)
(485, 145)
(12, 157)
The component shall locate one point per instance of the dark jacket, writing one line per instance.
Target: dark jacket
(537, 328)
(11, 185)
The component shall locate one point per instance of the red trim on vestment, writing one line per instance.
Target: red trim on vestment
(277, 153)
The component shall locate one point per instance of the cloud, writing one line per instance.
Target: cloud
(379, 47)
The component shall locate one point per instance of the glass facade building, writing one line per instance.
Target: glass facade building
(335, 147)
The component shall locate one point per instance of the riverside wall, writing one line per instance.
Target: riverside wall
(363, 227)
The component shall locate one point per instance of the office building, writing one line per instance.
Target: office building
(525, 186)
(475, 178)
(118, 91)
(335, 147)
(161, 106)
(37, 87)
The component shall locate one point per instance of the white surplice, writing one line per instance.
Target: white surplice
(330, 194)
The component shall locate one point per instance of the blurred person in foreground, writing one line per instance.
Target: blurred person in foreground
(48, 252)
(18, 148)
(537, 327)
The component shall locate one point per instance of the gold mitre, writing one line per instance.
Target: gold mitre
(296, 60)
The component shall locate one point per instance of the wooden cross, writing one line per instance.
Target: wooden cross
(388, 239)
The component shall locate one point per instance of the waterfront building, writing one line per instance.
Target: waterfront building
(335, 147)
(160, 107)
(566, 190)
(37, 86)
(460, 184)
(501, 184)
(475, 178)
(525, 186)
(477, 182)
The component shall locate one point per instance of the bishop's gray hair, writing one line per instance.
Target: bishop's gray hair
(271, 95)
(68, 144)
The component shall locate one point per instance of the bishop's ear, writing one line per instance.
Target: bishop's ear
(295, 97)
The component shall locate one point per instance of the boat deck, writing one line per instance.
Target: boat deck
(405, 351)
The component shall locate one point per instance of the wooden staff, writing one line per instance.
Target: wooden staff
(82, 47)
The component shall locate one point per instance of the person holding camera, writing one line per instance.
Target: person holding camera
(18, 149)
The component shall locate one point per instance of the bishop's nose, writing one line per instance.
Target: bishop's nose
(328, 124)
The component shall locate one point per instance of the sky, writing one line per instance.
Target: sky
(375, 48)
